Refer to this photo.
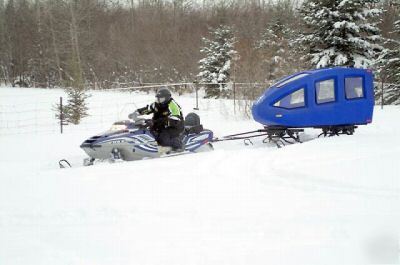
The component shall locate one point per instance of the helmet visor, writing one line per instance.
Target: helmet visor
(160, 99)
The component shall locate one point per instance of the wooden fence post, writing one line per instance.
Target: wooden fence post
(61, 115)
(382, 99)
(197, 96)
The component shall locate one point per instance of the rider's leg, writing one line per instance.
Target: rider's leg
(164, 138)
(170, 137)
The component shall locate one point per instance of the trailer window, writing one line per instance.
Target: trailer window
(325, 91)
(354, 87)
(291, 101)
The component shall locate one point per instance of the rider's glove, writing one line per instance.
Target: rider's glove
(133, 115)
(146, 110)
(173, 121)
(160, 123)
(149, 123)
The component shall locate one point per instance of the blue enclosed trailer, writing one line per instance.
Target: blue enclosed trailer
(326, 98)
(335, 100)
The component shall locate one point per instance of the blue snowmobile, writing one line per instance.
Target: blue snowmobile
(133, 140)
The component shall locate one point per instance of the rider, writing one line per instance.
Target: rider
(167, 123)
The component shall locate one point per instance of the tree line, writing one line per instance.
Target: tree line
(106, 43)
(99, 43)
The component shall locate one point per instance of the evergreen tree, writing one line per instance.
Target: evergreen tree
(216, 66)
(275, 49)
(76, 108)
(394, 61)
(340, 32)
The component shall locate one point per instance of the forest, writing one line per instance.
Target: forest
(103, 44)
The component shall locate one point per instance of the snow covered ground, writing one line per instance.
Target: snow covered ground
(327, 201)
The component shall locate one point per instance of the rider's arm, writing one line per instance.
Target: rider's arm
(174, 109)
(149, 109)
(175, 115)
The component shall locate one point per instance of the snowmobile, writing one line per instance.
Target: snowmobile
(134, 140)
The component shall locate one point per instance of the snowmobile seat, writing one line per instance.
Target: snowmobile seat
(194, 129)
(192, 124)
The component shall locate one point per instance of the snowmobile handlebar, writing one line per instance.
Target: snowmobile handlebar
(139, 121)
(134, 116)
(143, 123)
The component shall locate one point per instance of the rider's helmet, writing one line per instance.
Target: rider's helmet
(163, 95)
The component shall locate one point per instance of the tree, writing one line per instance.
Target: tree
(340, 32)
(76, 107)
(394, 64)
(10, 30)
(127, 41)
(389, 67)
(274, 46)
(215, 67)
(393, 53)
(3, 71)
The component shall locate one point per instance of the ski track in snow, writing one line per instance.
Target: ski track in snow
(325, 201)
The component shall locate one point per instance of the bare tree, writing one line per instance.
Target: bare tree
(102, 44)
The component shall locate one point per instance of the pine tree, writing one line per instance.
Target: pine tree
(394, 62)
(216, 66)
(340, 32)
(274, 46)
(76, 108)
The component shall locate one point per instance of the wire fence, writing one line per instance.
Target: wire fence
(35, 111)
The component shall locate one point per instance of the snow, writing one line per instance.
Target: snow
(327, 201)
(346, 25)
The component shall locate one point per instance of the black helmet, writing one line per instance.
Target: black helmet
(163, 95)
